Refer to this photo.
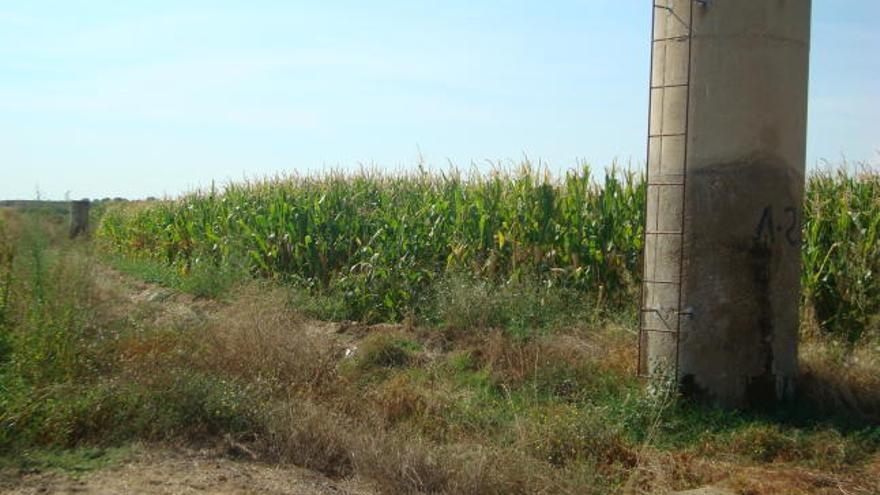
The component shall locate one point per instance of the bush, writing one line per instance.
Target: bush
(385, 350)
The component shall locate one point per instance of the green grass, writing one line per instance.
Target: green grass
(202, 281)
(74, 462)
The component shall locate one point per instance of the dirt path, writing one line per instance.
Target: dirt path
(163, 471)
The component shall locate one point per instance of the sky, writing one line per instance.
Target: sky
(105, 98)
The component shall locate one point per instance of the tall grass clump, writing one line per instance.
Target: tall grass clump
(382, 241)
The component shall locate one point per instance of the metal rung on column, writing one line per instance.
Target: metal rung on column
(669, 315)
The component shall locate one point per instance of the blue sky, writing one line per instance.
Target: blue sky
(108, 98)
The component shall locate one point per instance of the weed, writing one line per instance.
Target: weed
(75, 462)
(202, 280)
(385, 350)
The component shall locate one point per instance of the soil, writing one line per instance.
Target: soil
(166, 471)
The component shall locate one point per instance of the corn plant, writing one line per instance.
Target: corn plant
(841, 250)
(382, 241)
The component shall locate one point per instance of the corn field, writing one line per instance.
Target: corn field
(841, 251)
(382, 241)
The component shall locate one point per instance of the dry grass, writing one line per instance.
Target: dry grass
(773, 480)
(259, 338)
(387, 415)
(396, 461)
(837, 377)
(663, 472)
(403, 464)
(399, 399)
(395, 415)
(309, 435)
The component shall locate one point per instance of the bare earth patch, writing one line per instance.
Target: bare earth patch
(164, 471)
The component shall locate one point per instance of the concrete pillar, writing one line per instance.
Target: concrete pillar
(79, 217)
(726, 159)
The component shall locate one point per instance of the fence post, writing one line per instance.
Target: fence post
(79, 217)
